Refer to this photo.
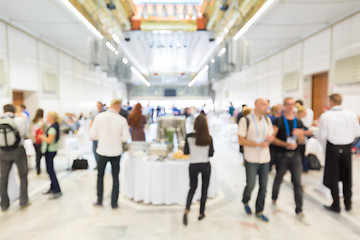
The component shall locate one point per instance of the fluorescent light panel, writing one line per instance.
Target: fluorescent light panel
(221, 52)
(125, 61)
(82, 18)
(141, 77)
(203, 70)
(260, 12)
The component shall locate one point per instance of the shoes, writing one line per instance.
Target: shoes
(4, 209)
(25, 205)
(49, 192)
(97, 204)
(55, 196)
(262, 217)
(348, 208)
(115, 206)
(247, 209)
(332, 209)
(185, 219)
(201, 216)
(300, 216)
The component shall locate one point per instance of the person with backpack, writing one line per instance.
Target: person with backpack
(255, 134)
(13, 131)
(49, 149)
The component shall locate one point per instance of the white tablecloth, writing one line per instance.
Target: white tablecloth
(159, 182)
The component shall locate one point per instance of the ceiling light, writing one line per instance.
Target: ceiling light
(198, 75)
(212, 60)
(125, 61)
(82, 18)
(141, 77)
(222, 51)
(254, 18)
(117, 52)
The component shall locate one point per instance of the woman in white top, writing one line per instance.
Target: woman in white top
(200, 147)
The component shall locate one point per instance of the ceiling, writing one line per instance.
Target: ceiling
(289, 21)
(164, 52)
(49, 20)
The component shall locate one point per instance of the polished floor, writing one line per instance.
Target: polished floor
(73, 216)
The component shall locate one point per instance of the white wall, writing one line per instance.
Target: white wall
(26, 58)
(313, 55)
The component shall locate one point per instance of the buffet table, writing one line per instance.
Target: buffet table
(159, 182)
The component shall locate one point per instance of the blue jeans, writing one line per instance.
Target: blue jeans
(49, 160)
(253, 169)
(115, 169)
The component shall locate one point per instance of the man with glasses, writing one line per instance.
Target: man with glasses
(289, 133)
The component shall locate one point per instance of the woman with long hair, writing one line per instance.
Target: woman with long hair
(49, 149)
(137, 123)
(199, 145)
(37, 125)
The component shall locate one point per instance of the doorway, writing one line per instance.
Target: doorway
(18, 98)
(319, 93)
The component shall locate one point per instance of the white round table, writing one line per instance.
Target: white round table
(159, 182)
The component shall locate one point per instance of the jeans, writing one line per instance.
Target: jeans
(7, 158)
(289, 160)
(253, 169)
(115, 169)
(49, 160)
(194, 170)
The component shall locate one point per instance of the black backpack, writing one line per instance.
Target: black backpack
(9, 135)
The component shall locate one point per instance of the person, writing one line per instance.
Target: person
(255, 134)
(100, 108)
(110, 129)
(289, 133)
(308, 118)
(338, 129)
(244, 112)
(137, 123)
(301, 113)
(276, 111)
(199, 145)
(13, 154)
(231, 109)
(241, 113)
(25, 112)
(124, 113)
(49, 149)
(37, 125)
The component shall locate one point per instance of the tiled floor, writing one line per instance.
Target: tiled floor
(74, 217)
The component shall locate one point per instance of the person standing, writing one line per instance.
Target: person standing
(137, 123)
(289, 132)
(37, 125)
(12, 151)
(49, 149)
(338, 130)
(110, 129)
(308, 118)
(231, 109)
(199, 145)
(255, 134)
(100, 108)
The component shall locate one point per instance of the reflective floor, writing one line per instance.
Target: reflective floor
(73, 216)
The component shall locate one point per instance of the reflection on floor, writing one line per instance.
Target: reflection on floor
(73, 216)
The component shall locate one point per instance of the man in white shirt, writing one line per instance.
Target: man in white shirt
(15, 154)
(338, 130)
(255, 134)
(110, 129)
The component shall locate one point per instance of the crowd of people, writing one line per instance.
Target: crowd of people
(268, 137)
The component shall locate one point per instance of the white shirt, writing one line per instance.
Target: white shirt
(265, 128)
(339, 126)
(309, 118)
(21, 126)
(111, 130)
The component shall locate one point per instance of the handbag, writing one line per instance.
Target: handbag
(313, 162)
(80, 163)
